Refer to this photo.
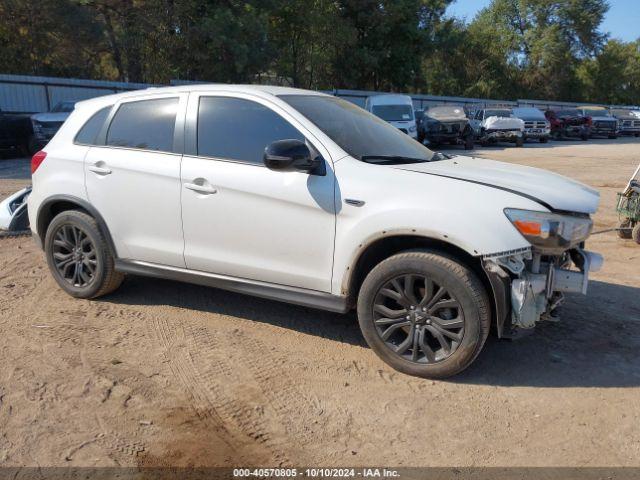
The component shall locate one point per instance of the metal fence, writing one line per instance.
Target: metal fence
(31, 94)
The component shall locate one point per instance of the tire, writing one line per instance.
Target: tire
(465, 297)
(584, 137)
(66, 232)
(626, 234)
(468, 143)
(613, 137)
(544, 140)
(635, 233)
(636, 135)
(519, 142)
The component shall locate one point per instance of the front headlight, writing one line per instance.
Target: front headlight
(550, 230)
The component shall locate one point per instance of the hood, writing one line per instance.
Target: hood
(51, 117)
(503, 123)
(549, 189)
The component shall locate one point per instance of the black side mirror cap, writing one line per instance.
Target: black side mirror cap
(293, 156)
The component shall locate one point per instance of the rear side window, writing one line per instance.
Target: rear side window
(144, 124)
(238, 129)
(90, 130)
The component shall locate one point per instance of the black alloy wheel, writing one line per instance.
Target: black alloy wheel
(418, 319)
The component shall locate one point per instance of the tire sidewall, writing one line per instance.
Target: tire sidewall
(473, 335)
(73, 218)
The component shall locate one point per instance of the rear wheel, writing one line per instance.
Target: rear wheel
(584, 137)
(626, 226)
(79, 257)
(543, 140)
(519, 141)
(424, 314)
(613, 137)
(468, 142)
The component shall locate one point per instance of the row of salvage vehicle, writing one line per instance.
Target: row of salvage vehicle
(458, 125)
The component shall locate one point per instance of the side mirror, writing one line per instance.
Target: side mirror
(292, 156)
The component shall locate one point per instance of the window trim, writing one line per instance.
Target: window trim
(95, 142)
(178, 132)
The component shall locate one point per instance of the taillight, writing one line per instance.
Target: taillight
(37, 159)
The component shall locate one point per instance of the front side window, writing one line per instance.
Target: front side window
(239, 129)
(90, 130)
(358, 132)
(144, 124)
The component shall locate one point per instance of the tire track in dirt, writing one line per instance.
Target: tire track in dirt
(197, 360)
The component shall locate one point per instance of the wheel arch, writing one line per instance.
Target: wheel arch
(57, 204)
(382, 248)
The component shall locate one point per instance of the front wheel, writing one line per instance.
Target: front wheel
(424, 314)
(468, 142)
(625, 228)
(78, 256)
(543, 139)
(519, 141)
(635, 233)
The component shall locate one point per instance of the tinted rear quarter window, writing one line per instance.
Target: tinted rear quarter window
(144, 124)
(239, 129)
(90, 130)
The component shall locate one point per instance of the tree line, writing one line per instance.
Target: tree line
(512, 49)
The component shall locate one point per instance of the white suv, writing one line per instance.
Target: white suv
(303, 197)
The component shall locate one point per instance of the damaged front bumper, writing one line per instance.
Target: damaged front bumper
(529, 286)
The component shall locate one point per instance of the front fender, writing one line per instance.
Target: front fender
(395, 202)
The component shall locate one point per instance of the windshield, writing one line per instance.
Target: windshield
(393, 113)
(619, 112)
(528, 113)
(497, 113)
(63, 107)
(569, 113)
(596, 112)
(358, 132)
(446, 112)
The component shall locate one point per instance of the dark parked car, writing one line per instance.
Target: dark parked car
(419, 114)
(447, 124)
(602, 122)
(628, 123)
(45, 125)
(15, 130)
(568, 123)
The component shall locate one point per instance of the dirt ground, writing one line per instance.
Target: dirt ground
(162, 373)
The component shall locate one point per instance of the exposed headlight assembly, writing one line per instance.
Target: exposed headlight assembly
(550, 231)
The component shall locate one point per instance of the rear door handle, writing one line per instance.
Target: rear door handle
(200, 188)
(99, 170)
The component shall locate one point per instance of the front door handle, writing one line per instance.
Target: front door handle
(99, 170)
(206, 189)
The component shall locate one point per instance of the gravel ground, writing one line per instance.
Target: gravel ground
(162, 373)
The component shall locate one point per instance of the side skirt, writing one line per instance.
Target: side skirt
(272, 291)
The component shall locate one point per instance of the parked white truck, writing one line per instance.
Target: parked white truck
(395, 109)
(306, 198)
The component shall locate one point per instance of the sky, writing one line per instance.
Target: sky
(622, 21)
